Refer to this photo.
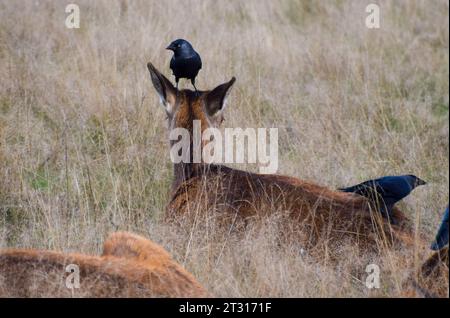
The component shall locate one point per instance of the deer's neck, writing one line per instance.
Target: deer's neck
(195, 166)
(183, 171)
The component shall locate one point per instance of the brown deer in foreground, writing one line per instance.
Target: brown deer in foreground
(322, 217)
(131, 266)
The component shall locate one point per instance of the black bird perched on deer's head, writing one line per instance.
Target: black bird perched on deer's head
(185, 63)
(386, 191)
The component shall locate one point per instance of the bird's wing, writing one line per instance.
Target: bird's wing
(172, 63)
(372, 190)
(195, 61)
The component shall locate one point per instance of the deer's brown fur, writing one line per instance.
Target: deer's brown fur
(154, 257)
(131, 266)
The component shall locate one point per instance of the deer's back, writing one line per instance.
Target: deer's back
(320, 214)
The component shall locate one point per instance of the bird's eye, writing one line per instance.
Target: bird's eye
(179, 45)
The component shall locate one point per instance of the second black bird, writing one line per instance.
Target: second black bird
(185, 63)
(386, 191)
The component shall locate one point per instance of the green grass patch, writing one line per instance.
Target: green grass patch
(440, 108)
(41, 180)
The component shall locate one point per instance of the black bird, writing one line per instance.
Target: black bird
(442, 234)
(185, 63)
(386, 191)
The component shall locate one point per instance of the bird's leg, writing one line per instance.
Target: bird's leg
(176, 81)
(386, 212)
(193, 84)
(385, 209)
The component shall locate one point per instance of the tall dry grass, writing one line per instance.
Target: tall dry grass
(83, 142)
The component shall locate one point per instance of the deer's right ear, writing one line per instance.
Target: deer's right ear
(215, 99)
(166, 91)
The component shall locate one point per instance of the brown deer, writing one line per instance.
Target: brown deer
(321, 217)
(131, 266)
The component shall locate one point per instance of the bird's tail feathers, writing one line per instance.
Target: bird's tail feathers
(349, 189)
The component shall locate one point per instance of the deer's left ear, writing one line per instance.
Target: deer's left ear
(215, 99)
(167, 93)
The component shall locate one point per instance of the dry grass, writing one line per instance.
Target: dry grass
(83, 142)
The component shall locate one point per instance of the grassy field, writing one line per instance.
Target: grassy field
(84, 144)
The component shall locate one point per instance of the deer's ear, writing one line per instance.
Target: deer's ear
(166, 91)
(215, 99)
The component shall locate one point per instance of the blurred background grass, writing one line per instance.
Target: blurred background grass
(83, 141)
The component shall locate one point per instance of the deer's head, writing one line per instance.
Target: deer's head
(184, 106)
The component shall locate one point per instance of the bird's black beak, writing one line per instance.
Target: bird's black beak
(171, 48)
(420, 182)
